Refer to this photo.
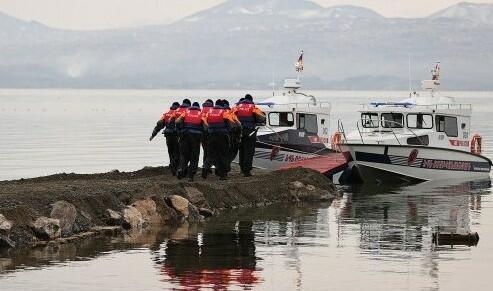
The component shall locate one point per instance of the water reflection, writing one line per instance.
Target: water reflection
(402, 218)
(376, 233)
(217, 258)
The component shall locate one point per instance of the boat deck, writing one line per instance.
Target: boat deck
(327, 165)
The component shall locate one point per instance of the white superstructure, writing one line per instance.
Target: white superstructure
(297, 126)
(421, 138)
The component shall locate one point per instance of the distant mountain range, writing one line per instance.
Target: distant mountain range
(248, 43)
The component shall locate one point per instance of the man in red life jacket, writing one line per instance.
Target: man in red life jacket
(250, 116)
(185, 104)
(234, 131)
(218, 121)
(166, 121)
(206, 107)
(192, 126)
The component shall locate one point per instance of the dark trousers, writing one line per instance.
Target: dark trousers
(189, 154)
(247, 150)
(173, 152)
(204, 148)
(218, 153)
(234, 145)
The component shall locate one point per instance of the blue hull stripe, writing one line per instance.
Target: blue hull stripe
(447, 165)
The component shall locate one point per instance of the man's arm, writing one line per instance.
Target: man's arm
(205, 124)
(159, 125)
(259, 116)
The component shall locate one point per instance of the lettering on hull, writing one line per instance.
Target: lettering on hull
(446, 165)
(415, 162)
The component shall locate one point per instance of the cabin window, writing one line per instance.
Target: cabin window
(392, 120)
(419, 140)
(420, 121)
(447, 124)
(308, 122)
(281, 119)
(369, 120)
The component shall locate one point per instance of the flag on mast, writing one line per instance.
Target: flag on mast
(299, 64)
(435, 73)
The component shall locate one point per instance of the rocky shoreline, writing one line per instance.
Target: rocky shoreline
(66, 207)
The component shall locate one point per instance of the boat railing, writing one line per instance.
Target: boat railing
(411, 105)
(298, 104)
(340, 128)
(393, 125)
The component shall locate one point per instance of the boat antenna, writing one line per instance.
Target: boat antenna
(273, 85)
(409, 75)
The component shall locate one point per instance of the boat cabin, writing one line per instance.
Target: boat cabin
(296, 120)
(416, 123)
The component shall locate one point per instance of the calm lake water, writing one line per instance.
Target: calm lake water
(373, 237)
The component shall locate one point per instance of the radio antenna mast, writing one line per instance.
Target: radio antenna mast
(409, 76)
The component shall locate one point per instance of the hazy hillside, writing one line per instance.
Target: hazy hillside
(244, 43)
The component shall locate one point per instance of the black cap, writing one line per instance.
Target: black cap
(175, 105)
(208, 103)
(225, 102)
(248, 97)
(196, 104)
(186, 102)
(219, 102)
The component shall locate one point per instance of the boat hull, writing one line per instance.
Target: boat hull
(274, 159)
(400, 163)
(275, 150)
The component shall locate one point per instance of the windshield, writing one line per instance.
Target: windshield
(369, 120)
(392, 120)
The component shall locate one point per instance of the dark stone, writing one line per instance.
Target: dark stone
(206, 212)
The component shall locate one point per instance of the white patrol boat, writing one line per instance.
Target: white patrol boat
(422, 138)
(297, 127)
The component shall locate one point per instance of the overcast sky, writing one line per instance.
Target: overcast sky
(102, 14)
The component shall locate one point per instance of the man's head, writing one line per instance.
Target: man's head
(186, 102)
(208, 103)
(219, 102)
(196, 104)
(249, 97)
(174, 105)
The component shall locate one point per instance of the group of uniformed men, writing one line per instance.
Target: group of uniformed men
(224, 133)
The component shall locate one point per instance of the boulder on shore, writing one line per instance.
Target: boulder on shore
(147, 207)
(5, 225)
(113, 217)
(47, 228)
(71, 220)
(132, 218)
(180, 204)
(66, 213)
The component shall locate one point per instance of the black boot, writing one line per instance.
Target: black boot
(180, 174)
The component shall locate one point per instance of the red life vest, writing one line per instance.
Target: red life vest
(169, 123)
(215, 119)
(245, 114)
(168, 116)
(193, 120)
(180, 110)
(206, 109)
